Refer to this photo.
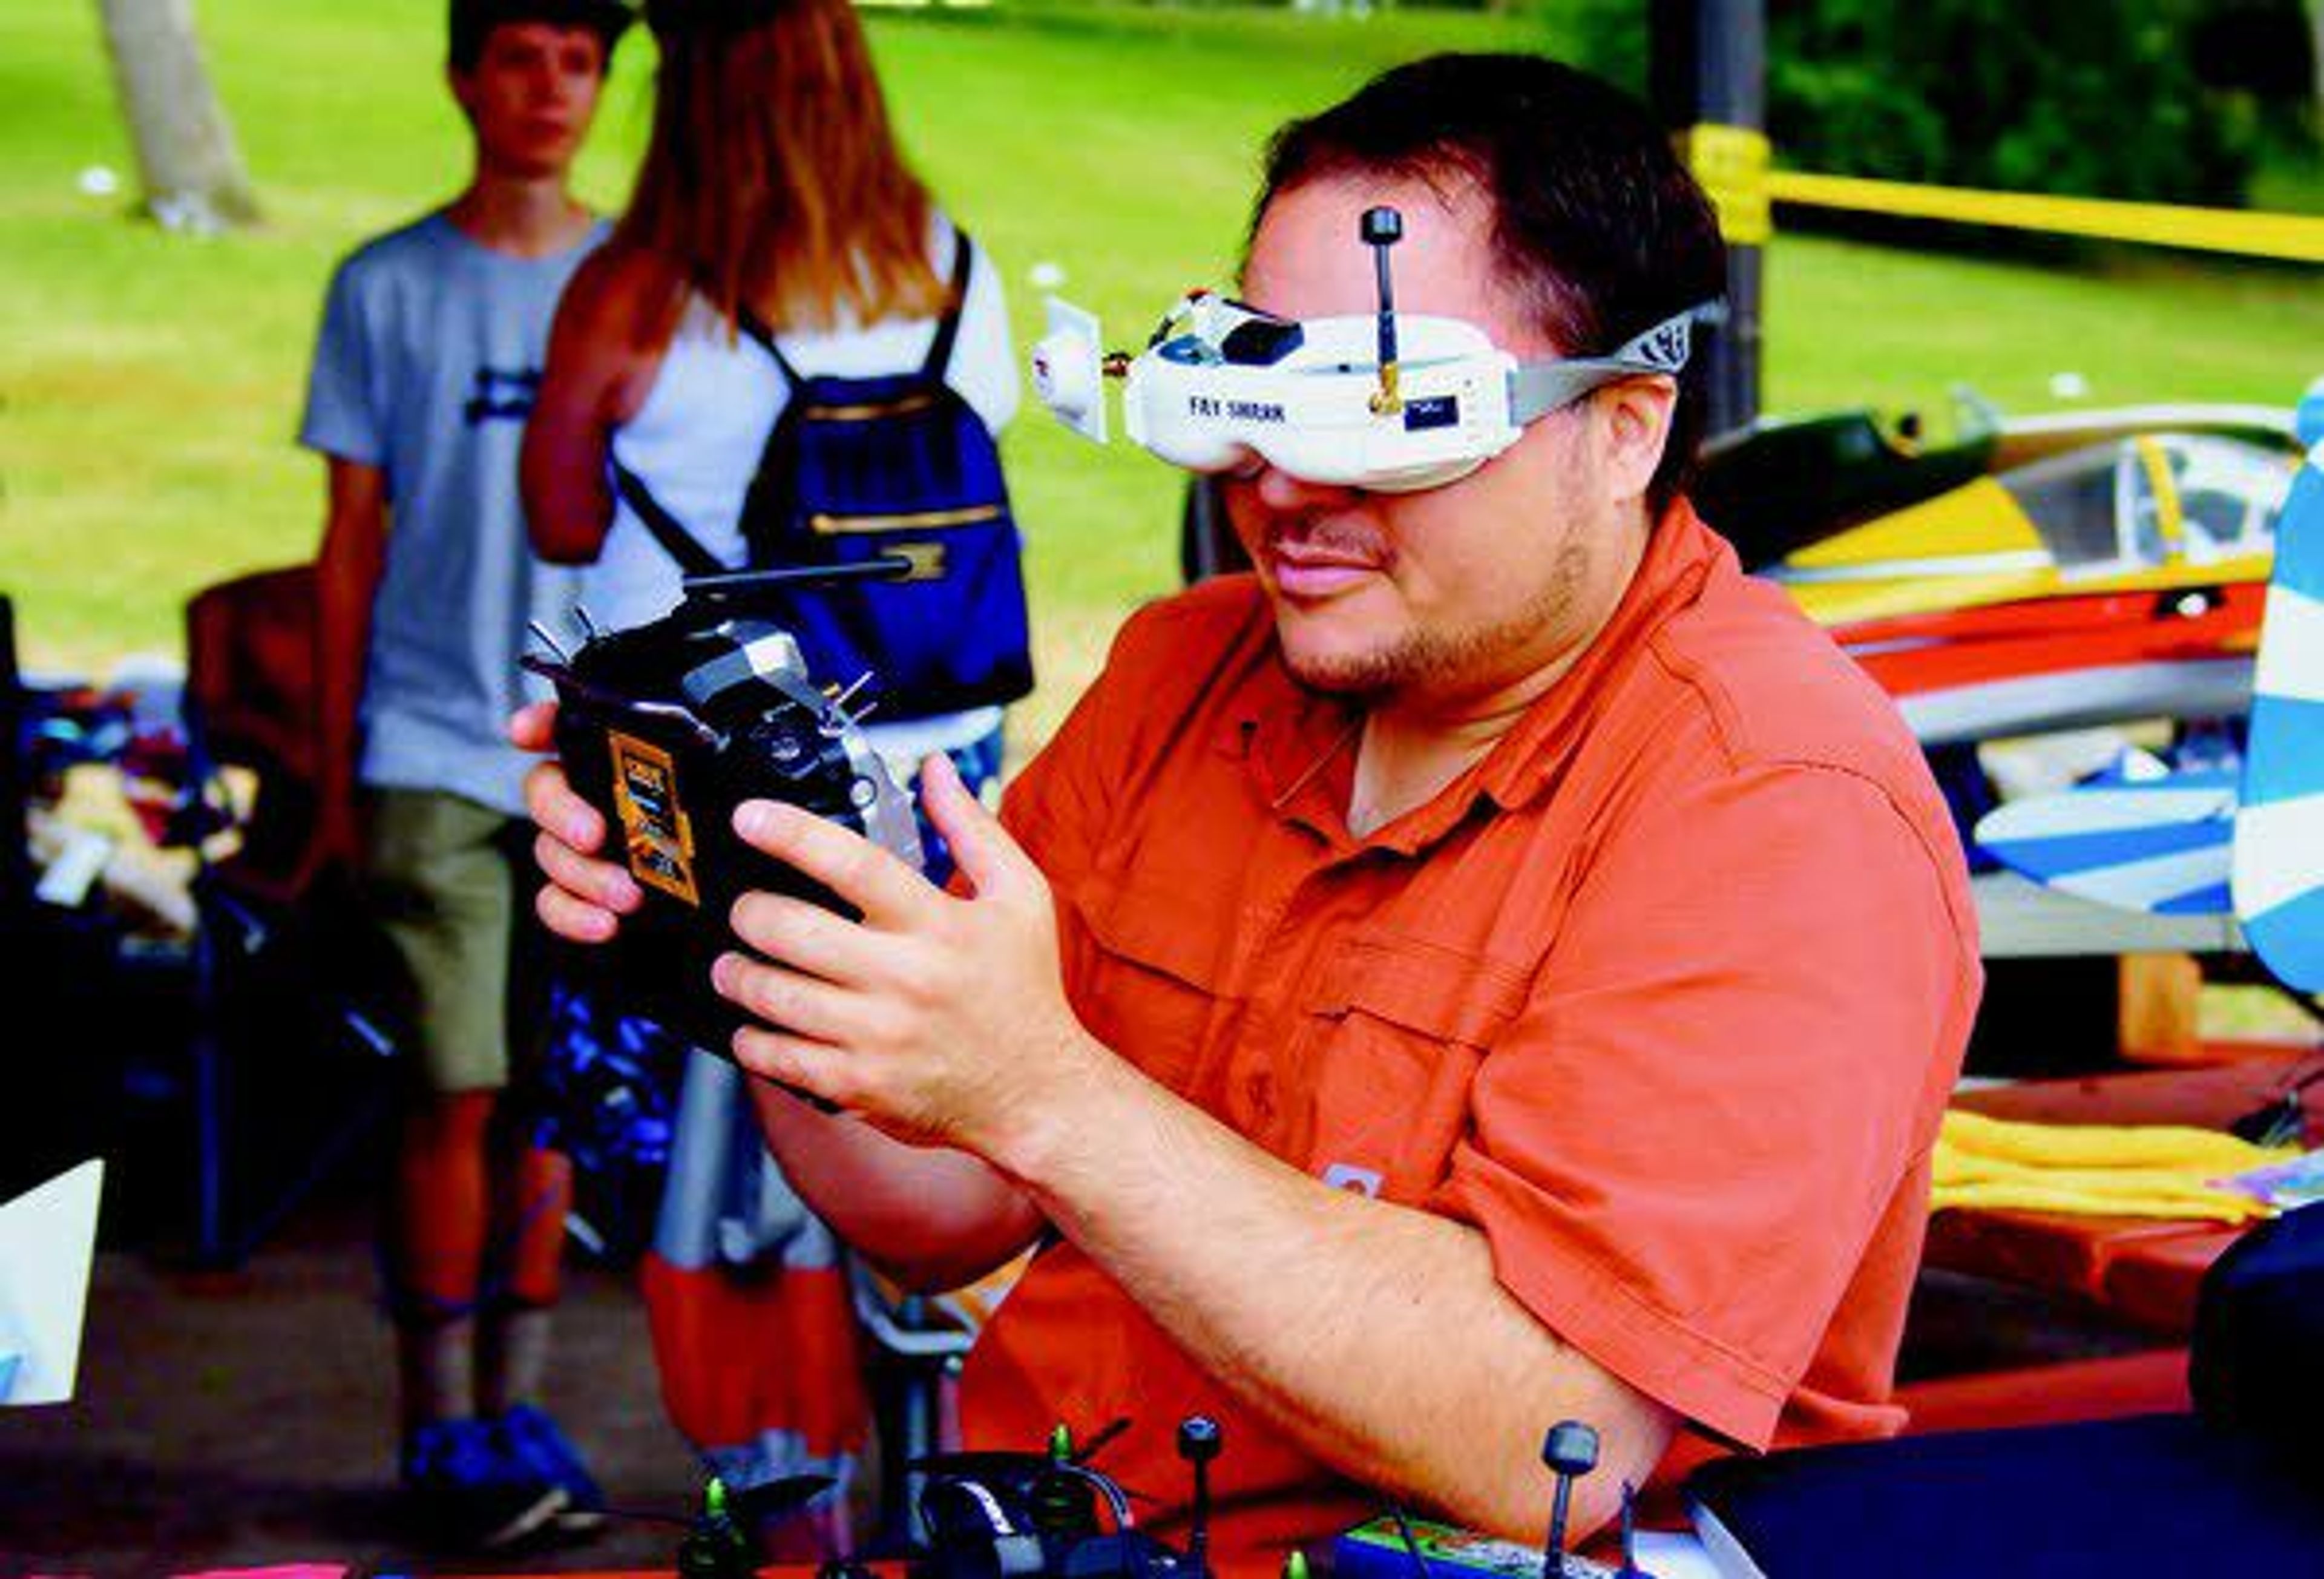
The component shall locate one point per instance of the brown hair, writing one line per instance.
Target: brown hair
(470, 22)
(772, 178)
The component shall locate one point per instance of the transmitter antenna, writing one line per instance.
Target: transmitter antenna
(1382, 228)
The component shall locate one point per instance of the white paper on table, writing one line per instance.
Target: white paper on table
(48, 1238)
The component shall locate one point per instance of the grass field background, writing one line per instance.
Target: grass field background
(150, 384)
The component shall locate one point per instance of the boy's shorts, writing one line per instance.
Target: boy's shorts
(450, 883)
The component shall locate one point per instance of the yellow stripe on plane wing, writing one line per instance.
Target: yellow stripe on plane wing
(1979, 517)
(1969, 548)
(1844, 603)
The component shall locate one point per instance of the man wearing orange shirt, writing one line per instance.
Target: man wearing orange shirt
(1496, 964)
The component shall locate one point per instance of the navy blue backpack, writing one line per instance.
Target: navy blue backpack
(899, 465)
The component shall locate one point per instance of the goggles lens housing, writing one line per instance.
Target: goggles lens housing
(1222, 387)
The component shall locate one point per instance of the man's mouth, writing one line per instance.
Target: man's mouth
(1319, 567)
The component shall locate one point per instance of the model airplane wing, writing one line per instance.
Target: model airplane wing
(48, 1236)
(2162, 845)
(2249, 843)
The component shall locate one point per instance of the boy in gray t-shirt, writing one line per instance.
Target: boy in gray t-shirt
(425, 370)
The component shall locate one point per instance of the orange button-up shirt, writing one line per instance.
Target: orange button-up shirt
(1664, 995)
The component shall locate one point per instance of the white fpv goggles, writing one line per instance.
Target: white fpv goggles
(1222, 386)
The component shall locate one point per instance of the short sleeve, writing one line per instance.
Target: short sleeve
(985, 358)
(342, 416)
(1737, 1049)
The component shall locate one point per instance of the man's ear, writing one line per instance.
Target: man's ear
(1634, 416)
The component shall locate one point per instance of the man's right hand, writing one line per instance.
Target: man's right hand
(585, 896)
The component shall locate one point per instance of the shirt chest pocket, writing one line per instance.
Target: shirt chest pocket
(1373, 1089)
(1148, 973)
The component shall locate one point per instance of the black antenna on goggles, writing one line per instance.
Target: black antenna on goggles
(1382, 228)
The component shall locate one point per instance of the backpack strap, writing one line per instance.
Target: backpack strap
(948, 329)
(682, 544)
(755, 329)
(939, 357)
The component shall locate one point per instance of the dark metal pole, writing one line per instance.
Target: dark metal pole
(16, 797)
(1707, 74)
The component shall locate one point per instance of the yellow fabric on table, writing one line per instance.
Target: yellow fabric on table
(2114, 1170)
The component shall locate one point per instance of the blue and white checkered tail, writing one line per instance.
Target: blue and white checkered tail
(2279, 847)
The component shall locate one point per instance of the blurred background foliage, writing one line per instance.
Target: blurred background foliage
(2211, 102)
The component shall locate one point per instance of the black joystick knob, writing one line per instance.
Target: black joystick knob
(1569, 1449)
(1571, 1452)
(1198, 1444)
(1382, 228)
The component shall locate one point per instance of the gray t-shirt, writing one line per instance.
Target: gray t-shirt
(426, 367)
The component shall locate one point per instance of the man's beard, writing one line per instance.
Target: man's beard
(1421, 658)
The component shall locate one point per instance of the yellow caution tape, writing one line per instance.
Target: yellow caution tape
(2292, 237)
(1730, 164)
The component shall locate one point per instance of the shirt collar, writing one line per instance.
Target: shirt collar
(1300, 744)
(1680, 553)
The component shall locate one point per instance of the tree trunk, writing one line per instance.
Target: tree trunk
(190, 172)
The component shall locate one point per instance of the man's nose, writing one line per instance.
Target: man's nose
(1279, 490)
(552, 82)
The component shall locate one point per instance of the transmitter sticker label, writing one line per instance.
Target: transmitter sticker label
(655, 829)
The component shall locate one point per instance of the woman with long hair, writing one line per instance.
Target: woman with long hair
(772, 184)
(773, 189)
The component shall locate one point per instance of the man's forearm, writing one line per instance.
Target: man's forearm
(1375, 1334)
(932, 1218)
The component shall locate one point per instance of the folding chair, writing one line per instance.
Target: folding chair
(250, 703)
(277, 959)
(919, 1344)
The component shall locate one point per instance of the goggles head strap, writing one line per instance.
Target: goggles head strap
(1540, 388)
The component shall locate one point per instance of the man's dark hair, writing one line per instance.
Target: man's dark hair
(471, 20)
(1597, 226)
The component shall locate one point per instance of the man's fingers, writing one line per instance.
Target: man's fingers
(585, 878)
(574, 919)
(533, 727)
(550, 800)
(875, 881)
(807, 937)
(987, 856)
(794, 1061)
(787, 1000)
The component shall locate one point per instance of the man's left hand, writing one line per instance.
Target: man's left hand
(942, 1018)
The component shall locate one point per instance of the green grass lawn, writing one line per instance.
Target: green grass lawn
(150, 384)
